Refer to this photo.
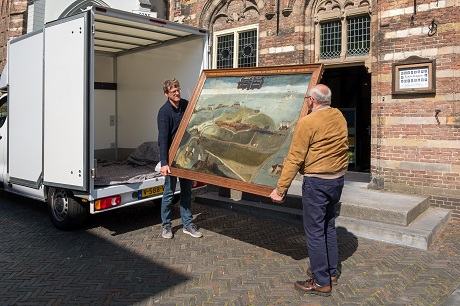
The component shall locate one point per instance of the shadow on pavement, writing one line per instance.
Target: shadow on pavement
(42, 264)
(127, 219)
(269, 233)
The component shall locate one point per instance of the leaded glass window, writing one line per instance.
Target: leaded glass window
(225, 46)
(236, 48)
(247, 49)
(358, 36)
(330, 39)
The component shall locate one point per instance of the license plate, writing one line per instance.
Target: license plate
(150, 192)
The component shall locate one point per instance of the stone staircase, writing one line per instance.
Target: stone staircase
(397, 218)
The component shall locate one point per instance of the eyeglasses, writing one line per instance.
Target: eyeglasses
(174, 91)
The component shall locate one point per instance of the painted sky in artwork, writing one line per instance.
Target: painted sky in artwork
(272, 84)
(280, 97)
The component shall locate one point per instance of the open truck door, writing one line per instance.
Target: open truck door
(67, 81)
(25, 65)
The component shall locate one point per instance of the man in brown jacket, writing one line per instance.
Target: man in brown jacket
(319, 152)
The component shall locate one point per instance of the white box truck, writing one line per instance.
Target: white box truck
(81, 97)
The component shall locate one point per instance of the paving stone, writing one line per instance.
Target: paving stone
(120, 258)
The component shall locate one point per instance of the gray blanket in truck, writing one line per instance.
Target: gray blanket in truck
(138, 167)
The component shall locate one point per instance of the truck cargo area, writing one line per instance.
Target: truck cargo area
(84, 133)
(132, 59)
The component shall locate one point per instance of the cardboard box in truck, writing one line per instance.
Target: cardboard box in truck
(79, 107)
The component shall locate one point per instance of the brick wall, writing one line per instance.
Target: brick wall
(279, 31)
(13, 23)
(411, 151)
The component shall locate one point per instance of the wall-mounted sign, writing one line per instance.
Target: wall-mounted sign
(414, 75)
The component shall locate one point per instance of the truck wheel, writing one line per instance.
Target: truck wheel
(65, 212)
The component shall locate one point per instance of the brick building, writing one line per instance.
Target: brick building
(393, 67)
(13, 23)
(407, 135)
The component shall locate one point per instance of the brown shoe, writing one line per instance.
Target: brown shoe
(311, 287)
(333, 278)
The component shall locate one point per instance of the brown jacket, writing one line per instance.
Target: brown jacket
(319, 146)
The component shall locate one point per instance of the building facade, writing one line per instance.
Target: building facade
(393, 67)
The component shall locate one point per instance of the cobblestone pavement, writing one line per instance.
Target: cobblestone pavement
(120, 258)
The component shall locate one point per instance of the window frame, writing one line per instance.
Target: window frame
(235, 32)
(343, 17)
(340, 35)
(355, 17)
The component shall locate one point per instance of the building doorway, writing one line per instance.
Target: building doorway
(351, 93)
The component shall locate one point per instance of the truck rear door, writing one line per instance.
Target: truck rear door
(67, 100)
(25, 104)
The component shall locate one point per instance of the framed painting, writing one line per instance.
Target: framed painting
(238, 126)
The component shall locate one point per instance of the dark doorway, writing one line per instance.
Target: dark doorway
(351, 93)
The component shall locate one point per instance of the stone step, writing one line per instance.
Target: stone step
(359, 202)
(419, 234)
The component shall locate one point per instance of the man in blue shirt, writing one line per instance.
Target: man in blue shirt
(169, 117)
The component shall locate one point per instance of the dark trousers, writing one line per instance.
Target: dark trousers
(319, 199)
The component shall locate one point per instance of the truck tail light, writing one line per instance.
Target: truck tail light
(158, 21)
(196, 184)
(105, 203)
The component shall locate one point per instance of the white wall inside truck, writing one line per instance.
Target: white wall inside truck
(104, 119)
(140, 78)
(104, 104)
(103, 69)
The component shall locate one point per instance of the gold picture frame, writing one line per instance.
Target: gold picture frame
(238, 125)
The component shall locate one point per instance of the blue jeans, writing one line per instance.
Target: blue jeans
(319, 199)
(185, 200)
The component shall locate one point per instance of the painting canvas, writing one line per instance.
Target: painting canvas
(239, 124)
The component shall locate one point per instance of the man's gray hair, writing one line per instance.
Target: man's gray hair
(321, 96)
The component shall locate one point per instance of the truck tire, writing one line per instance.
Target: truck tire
(65, 212)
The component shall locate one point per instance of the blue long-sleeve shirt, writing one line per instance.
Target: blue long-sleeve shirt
(168, 121)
